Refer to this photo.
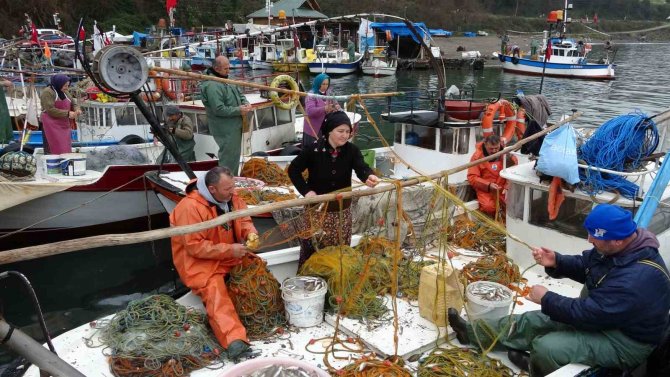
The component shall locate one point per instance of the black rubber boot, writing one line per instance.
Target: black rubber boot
(237, 348)
(459, 325)
(519, 358)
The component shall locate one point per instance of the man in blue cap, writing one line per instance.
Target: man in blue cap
(619, 318)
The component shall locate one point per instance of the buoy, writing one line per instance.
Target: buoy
(284, 80)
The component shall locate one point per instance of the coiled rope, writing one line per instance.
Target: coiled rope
(619, 144)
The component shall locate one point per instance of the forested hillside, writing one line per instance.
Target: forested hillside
(131, 15)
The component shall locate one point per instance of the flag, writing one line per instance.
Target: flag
(170, 4)
(595, 18)
(97, 37)
(33, 32)
(47, 50)
(547, 52)
(82, 34)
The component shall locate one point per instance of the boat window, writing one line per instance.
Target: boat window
(515, 200)
(284, 116)
(203, 125)
(265, 118)
(455, 140)
(125, 116)
(423, 137)
(660, 222)
(570, 219)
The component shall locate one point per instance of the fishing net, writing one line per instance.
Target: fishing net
(266, 171)
(17, 164)
(475, 235)
(370, 366)
(256, 197)
(256, 295)
(355, 281)
(461, 362)
(155, 336)
(497, 268)
(99, 159)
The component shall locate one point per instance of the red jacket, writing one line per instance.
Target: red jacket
(198, 256)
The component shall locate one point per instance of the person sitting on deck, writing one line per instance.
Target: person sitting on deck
(619, 318)
(485, 178)
(203, 259)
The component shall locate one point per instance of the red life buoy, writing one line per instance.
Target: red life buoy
(505, 113)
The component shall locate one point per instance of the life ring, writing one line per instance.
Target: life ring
(157, 93)
(520, 123)
(166, 86)
(284, 80)
(505, 113)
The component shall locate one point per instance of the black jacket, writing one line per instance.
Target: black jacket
(327, 173)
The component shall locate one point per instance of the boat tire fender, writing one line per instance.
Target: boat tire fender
(284, 80)
(132, 139)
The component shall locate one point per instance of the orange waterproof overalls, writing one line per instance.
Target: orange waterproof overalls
(482, 175)
(203, 260)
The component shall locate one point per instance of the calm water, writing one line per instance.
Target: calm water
(642, 83)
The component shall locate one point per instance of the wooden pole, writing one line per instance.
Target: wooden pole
(40, 251)
(177, 72)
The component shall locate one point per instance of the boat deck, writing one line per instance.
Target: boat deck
(416, 335)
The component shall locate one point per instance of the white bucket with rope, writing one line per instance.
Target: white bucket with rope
(488, 300)
(304, 299)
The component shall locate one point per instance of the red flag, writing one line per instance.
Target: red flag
(595, 18)
(82, 34)
(33, 32)
(547, 52)
(170, 4)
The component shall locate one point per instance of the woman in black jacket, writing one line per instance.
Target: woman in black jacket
(329, 164)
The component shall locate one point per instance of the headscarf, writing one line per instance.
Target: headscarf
(333, 120)
(318, 80)
(57, 82)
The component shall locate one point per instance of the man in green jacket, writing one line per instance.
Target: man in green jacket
(226, 107)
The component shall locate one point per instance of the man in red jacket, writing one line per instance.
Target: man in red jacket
(203, 259)
(485, 177)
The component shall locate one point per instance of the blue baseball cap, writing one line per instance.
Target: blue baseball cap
(610, 222)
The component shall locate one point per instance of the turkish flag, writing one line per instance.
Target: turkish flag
(547, 52)
(33, 32)
(170, 4)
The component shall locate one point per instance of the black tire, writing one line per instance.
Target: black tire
(515, 60)
(290, 150)
(132, 139)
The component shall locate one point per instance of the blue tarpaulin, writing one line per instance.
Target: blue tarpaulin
(399, 28)
(137, 37)
(440, 33)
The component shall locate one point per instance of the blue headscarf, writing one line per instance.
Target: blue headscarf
(318, 80)
(57, 82)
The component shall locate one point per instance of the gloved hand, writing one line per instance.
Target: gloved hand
(253, 242)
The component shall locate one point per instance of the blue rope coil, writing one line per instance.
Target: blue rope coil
(619, 144)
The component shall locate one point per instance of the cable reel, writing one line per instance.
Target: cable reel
(121, 69)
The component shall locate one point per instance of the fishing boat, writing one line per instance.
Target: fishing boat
(264, 55)
(334, 61)
(379, 64)
(292, 58)
(559, 56)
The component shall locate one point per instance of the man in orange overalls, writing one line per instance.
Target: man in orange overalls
(485, 177)
(203, 259)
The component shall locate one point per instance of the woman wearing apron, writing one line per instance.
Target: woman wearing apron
(57, 110)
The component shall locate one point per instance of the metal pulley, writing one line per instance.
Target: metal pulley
(120, 68)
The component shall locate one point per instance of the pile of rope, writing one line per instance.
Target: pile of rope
(471, 235)
(619, 144)
(497, 268)
(255, 197)
(266, 171)
(155, 336)
(370, 366)
(354, 281)
(461, 362)
(256, 295)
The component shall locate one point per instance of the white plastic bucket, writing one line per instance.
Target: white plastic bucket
(73, 164)
(479, 307)
(304, 298)
(52, 163)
